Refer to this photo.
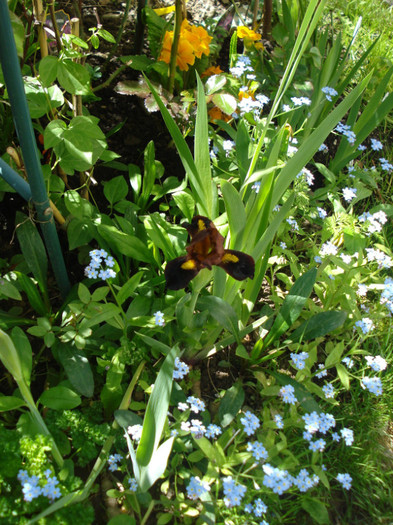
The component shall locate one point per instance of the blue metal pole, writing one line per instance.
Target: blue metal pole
(15, 180)
(24, 128)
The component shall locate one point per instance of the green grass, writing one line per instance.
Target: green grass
(377, 21)
(370, 458)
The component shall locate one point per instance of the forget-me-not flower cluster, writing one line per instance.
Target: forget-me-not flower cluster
(287, 393)
(233, 492)
(159, 318)
(100, 265)
(387, 294)
(113, 462)
(34, 486)
(374, 221)
(383, 260)
(345, 480)
(258, 450)
(376, 145)
(373, 385)
(345, 130)
(181, 369)
(385, 164)
(242, 66)
(365, 325)
(349, 194)
(329, 92)
(250, 422)
(299, 360)
(196, 488)
(376, 362)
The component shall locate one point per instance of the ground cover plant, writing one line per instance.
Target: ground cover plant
(220, 350)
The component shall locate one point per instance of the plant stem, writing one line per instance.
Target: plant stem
(55, 26)
(175, 45)
(121, 28)
(25, 391)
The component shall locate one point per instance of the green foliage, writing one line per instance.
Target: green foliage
(102, 363)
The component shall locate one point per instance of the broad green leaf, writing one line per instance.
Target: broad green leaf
(231, 404)
(185, 202)
(319, 325)
(213, 452)
(116, 189)
(8, 403)
(157, 465)
(334, 357)
(156, 411)
(77, 206)
(303, 396)
(106, 35)
(25, 353)
(227, 103)
(316, 509)
(149, 175)
(83, 293)
(60, 398)
(292, 306)
(126, 418)
(129, 287)
(235, 212)
(125, 244)
(153, 343)
(18, 30)
(53, 133)
(156, 230)
(102, 313)
(77, 368)
(33, 295)
(48, 70)
(242, 149)
(202, 153)
(9, 290)
(222, 312)
(33, 250)
(10, 357)
(79, 232)
(343, 375)
(214, 83)
(73, 77)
